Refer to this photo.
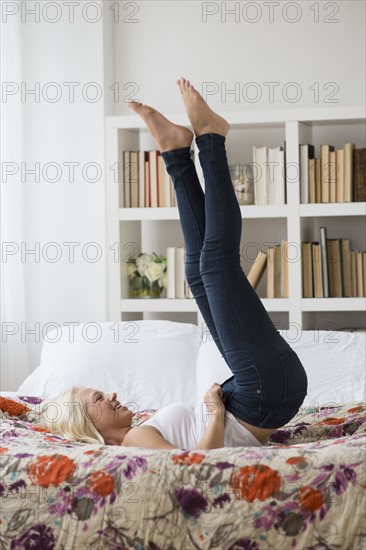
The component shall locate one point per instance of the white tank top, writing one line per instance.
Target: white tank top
(184, 426)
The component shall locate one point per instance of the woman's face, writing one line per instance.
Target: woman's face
(104, 410)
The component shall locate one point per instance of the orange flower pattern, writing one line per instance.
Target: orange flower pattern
(310, 498)
(255, 482)
(101, 483)
(51, 470)
(188, 458)
(12, 407)
(281, 495)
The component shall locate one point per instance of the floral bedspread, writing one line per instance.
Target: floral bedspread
(305, 490)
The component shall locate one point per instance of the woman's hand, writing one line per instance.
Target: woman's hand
(213, 400)
(214, 437)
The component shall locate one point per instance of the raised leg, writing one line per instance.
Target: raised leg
(191, 207)
(174, 143)
(256, 353)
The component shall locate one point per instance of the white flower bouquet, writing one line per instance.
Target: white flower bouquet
(147, 275)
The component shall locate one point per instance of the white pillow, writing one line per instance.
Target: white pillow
(334, 363)
(149, 363)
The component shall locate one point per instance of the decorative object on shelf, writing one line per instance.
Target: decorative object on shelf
(242, 178)
(147, 275)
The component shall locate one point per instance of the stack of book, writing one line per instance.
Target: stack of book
(269, 174)
(336, 176)
(144, 181)
(177, 285)
(330, 269)
(276, 259)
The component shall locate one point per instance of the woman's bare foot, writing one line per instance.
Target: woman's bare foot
(203, 119)
(166, 134)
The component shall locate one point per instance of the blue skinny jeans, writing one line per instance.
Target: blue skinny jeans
(269, 382)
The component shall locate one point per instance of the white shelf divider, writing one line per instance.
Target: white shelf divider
(188, 304)
(333, 304)
(333, 209)
(171, 213)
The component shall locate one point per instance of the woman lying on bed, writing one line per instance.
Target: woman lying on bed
(89, 415)
(269, 382)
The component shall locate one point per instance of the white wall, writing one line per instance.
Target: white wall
(171, 39)
(155, 43)
(62, 211)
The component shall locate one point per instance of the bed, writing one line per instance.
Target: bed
(305, 490)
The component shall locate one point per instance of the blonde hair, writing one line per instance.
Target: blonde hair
(66, 415)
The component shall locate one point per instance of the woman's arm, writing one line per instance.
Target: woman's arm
(145, 436)
(214, 435)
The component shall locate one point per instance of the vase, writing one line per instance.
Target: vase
(141, 287)
(243, 181)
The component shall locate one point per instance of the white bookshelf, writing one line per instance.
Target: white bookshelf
(131, 230)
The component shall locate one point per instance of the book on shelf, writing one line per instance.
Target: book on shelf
(317, 269)
(360, 275)
(153, 167)
(125, 186)
(346, 267)
(330, 269)
(146, 199)
(334, 268)
(141, 178)
(307, 171)
(353, 273)
(145, 181)
(275, 174)
(257, 269)
(164, 186)
(318, 185)
(275, 259)
(277, 271)
(177, 284)
(307, 277)
(274, 271)
(332, 177)
(324, 261)
(348, 171)
(325, 171)
(338, 175)
(359, 167)
(160, 172)
(269, 175)
(312, 183)
(134, 179)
